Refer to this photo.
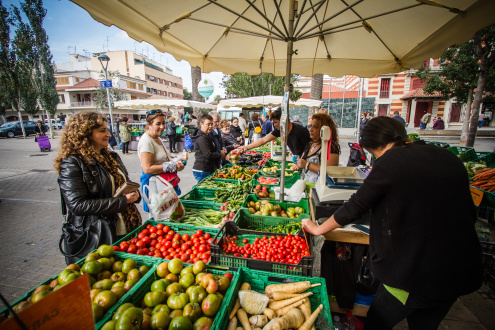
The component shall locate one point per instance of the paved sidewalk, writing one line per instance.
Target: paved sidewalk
(30, 225)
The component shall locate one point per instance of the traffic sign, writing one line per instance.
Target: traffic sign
(106, 83)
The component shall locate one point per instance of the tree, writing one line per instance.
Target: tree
(316, 91)
(459, 75)
(217, 98)
(45, 81)
(244, 85)
(100, 95)
(187, 94)
(196, 78)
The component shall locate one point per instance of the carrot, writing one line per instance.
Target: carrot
(297, 287)
(258, 320)
(244, 286)
(293, 319)
(286, 309)
(306, 310)
(309, 322)
(282, 303)
(243, 318)
(270, 313)
(283, 295)
(232, 324)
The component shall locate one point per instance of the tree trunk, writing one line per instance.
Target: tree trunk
(196, 78)
(316, 91)
(22, 124)
(473, 127)
(465, 119)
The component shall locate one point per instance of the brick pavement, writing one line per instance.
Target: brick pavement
(30, 225)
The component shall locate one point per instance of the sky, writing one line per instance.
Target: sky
(71, 29)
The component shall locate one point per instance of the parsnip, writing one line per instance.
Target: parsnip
(309, 322)
(282, 303)
(243, 318)
(232, 324)
(297, 287)
(286, 309)
(292, 320)
(270, 313)
(258, 320)
(306, 310)
(237, 305)
(283, 295)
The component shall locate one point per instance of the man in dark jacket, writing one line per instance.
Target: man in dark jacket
(206, 155)
(267, 126)
(399, 118)
(216, 134)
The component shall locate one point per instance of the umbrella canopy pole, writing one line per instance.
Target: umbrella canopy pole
(290, 49)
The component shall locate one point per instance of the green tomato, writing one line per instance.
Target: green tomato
(154, 298)
(177, 300)
(121, 310)
(186, 280)
(67, 276)
(193, 311)
(211, 304)
(181, 323)
(161, 308)
(160, 320)
(198, 294)
(160, 285)
(132, 319)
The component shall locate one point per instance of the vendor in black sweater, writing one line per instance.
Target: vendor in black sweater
(425, 258)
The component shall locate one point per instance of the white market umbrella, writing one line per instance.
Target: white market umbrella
(267, 101)
(160, 103)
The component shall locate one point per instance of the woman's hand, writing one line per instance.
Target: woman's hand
(294, 167)
(310, 227)
(223, 152)
(301, 163)
(236, 145)
(179, 166)
(132, 197)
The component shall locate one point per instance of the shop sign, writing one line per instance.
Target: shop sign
(206, 88)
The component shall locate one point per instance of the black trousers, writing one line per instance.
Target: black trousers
(421, 312)
(125, 147)
(171, 141)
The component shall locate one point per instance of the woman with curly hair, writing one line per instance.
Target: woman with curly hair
(310, 160)
(89, 174)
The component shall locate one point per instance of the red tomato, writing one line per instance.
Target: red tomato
(140, 244)
(163, 249)
(151, 254)
(160, 226)
(146, 240)
(177, 237)
(153, 242)
(244, 241)
(140, 235)
(153, 236)
(146, 232)
(160, 232)
(186, 237)
(140, 252)
(134, 240)
(199, 232)
(193, 236)
(171, 232)
(153, 249)
(207, 235)
(166, 229)
(124, 246)
(202, 248)
(132, 249)
(158, 255)
(229, 276)
(168, 244)
(175, 244)
(116, 248)
(184, 257)
(184, 247)
(145, 250)
(148, 226)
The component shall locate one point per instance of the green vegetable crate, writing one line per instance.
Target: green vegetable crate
(137, 297)
(465, 154)
(303, 203)
(246, 220)
(271, 163)
(198, 196)
(259, 280)
(289, 180)
(487, 157)
(118, 257)
(180, 228)
(304, 268)
(438, 144)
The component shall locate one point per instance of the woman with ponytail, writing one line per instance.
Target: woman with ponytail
(424, 257)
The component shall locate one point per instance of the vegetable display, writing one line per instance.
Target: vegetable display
(284, 249)
(265, 180)
(210, 184)
(235, 197)
(266, 208)
(262, 192)
(180, 298)
(290, 228)
(207, 217)
(274, 311)
(472, 167)
(484, 179)
(235, 173)
(161, 241)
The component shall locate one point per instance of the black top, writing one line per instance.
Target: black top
(422, 237)
(206, 154)
(170, 128)
(297, 139)
(228, 141)
(236, 132)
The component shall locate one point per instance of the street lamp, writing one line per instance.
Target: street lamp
(104, 58)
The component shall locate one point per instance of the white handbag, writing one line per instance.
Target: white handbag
(163, 202)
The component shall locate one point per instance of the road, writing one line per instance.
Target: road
(30, 222)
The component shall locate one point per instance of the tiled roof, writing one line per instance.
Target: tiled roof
(419, 93)
(88, 83)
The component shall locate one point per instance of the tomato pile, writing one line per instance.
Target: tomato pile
(284, 249)
(265, 180)
(267, 155)
(163, 242)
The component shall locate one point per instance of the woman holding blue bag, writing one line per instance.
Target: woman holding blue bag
(155, 158)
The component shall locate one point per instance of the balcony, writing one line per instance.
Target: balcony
(82, 104)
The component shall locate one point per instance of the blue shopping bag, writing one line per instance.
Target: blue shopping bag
(188, 143)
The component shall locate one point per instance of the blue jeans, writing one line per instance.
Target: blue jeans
(199, 176)
(121, 144)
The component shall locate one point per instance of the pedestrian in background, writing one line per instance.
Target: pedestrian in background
(88, 175)
(266, 127)
(481, 120)
(295, 120)
(228, 139)
(364, 120)
(323, 110)
(243, 125)
(237, 131)
(125, 135)
(40, 129)
(61, 117)
(425, 120)
(205, 150)
(216, 135)
(170, 130)
(399, 118)
(254, 127)
(439, 124)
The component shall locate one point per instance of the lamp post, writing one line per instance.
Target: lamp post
(104, 58)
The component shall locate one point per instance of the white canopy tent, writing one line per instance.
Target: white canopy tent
(266, 101)
(161, 103)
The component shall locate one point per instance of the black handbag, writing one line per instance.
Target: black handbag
(366, 283)
(76, 242)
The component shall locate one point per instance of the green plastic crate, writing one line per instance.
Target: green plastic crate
(438, 144)
(145, 287)
(218, 258)
(246, 220)
(304, 203)
(200, 197)
(289, 180)
(259, 280)
(272, 163)
(118, 257)
(465, 154)
(180, 228)
(487, 157)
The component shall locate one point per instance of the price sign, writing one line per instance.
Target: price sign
(477, 195)
(285, 101)
(68, 307)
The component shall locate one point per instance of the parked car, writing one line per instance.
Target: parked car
(55, 123)
(13, 128)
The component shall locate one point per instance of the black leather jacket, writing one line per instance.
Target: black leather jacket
(87, 189)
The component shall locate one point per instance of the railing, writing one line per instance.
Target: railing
(83, 104)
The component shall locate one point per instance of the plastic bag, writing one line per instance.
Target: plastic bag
(163, 202)
(188, 143)
(252, 301)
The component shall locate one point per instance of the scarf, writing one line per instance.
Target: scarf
(131, 215)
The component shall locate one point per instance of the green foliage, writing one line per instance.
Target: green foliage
(217, 98)
(116, 94)
(295, 95)
(244, 85)
(187, 95)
